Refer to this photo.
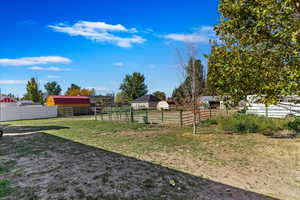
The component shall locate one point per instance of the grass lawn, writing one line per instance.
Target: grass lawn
(81, 159)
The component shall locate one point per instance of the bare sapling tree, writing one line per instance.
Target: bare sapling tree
(193, 77)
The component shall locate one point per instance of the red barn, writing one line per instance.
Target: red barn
(70, 105)
(7, 100)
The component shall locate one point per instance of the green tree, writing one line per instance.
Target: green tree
(120, 98)
(134, 86)
(258, 53)
(178, 95)
(52, 88)
(183, 94)
(160, 95)
(73, 90)
(33, 92)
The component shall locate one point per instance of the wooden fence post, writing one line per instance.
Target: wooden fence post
(131, 115)
(209, 112)
(146, 115)
(181, 120)
(162, 116)
(95, 113)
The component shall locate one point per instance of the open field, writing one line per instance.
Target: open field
(81, 159)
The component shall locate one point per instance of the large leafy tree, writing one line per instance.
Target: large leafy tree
(33, 92)
(258, 51)
(160, 95)
(75, 90)
(183, 94)
(134, 86)
(120, 98)
(52, 88)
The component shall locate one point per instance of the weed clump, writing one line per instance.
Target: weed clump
(294, 125)
(242, 123)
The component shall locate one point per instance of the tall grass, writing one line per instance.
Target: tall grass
(242, 123)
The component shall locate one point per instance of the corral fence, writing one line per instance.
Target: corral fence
(201, 115)
(163, 117)
(280, 110)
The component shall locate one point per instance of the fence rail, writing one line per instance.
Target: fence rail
(281, 110)
(169, 117)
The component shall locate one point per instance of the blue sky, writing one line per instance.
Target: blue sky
(94, 43)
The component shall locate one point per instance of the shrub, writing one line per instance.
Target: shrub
(294, 125)
(242, 123)
(5, 187)
(209, 122)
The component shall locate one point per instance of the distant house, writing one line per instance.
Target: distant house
(213, 102)
(145, 102)
(101, 100)
(70, 105)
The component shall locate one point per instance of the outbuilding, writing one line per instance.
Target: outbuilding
(70, 105)
(163, 105)
(212, 102)
(145, 102)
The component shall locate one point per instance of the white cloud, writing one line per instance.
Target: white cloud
(207, 28)
(119, 64)
(53, 76)
(12, 82)
(148, 30)
(37, 68)
(202, 35)
(33, 60)
(191, 38)
(98, 88)
(100, 32)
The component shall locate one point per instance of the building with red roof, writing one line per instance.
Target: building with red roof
(7, 100)
(69, 105)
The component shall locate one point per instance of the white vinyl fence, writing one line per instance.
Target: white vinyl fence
(275, 111)
(11, 113)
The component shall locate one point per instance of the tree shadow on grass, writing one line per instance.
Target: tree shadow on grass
(7, 129)
(64, 169)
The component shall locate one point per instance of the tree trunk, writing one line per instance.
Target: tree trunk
(194, 98)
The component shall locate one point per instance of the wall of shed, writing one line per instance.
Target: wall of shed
(138, 106)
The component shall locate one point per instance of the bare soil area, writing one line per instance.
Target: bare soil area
(87, 160)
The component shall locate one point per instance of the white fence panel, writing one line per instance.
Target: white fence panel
(27, 112)
(275, 111)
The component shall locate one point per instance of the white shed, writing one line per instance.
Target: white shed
(162, 105)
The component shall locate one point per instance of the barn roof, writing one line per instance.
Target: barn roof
(71, 99)
(7, 100)
(146, 98)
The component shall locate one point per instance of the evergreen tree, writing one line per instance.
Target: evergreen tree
(33, 92)
(52, 88)
(134, 86)
(183, 94)
(160, 95)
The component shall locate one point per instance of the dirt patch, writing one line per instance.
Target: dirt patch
(62, 169)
